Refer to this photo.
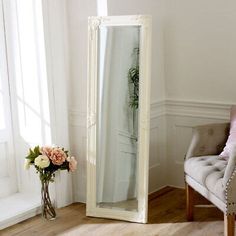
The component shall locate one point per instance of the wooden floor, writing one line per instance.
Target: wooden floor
(166, 218)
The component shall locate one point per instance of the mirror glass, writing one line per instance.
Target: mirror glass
(117, 117)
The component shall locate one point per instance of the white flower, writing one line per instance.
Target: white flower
(27, 164)
(42, 161)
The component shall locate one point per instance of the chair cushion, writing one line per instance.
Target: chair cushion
(208, 171)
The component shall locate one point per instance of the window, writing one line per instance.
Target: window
(32, 34)
(24, 89)
(8, 184)
(31, 77)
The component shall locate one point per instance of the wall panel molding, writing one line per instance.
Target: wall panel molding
(170, 119)
(157, 109)
(197, 109)
(79, 118)
(190, 108)
(181, 116)
(171, 107)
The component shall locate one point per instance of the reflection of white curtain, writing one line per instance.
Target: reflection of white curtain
(105, 43)
(117, 149)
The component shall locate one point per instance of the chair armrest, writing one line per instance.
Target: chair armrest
(229, 182)
(208, 140)
(230, 168)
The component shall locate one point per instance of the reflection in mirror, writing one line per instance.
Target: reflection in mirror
(117, 126)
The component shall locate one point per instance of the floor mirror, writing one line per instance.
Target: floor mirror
(118, 117)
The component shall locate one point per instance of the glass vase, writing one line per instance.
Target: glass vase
(48, 211)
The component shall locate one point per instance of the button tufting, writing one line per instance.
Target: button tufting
(208, 171)
(209, 164)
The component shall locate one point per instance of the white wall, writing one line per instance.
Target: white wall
(193, 70)
(200, 71)
(78, 12)
(200, 50)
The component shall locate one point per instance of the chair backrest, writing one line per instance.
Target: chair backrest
(208, 139)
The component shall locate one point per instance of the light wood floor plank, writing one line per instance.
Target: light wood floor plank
(166, 218)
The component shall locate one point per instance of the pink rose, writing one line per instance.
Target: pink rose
(47, 151)
(72, 163)
(57, 156)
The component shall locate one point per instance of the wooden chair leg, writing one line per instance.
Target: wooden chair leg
(229, 224)
(189, 202)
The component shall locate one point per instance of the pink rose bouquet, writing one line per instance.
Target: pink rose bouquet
(47, 160)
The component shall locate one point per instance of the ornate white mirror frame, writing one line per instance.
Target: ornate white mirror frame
(144, 22)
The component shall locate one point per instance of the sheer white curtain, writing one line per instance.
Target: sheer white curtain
(38, 74)
(55, 32)
(8, 183)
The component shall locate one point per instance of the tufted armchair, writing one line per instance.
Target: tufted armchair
(212, 176)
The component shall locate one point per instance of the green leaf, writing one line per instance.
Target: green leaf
(33, 153)
(37, 151)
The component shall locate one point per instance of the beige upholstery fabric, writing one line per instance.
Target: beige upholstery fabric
(208, 140)
(207, 194)
(231, 194)
(230, 167)
(209, 172)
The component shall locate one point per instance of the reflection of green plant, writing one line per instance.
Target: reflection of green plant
(133, 77)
